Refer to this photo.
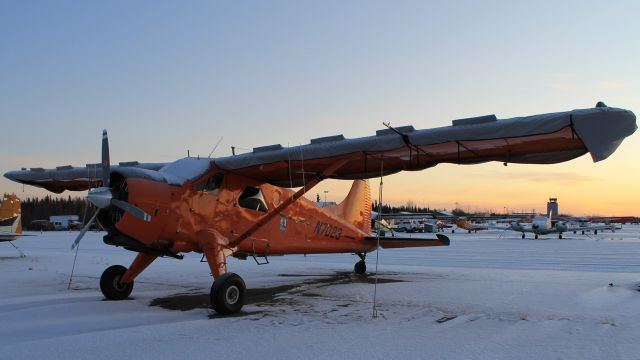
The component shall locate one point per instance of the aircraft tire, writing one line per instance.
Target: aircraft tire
(536, 236)
(227, 294)
(559, 236)
(109, 283)
(523, 235)
(360, 267)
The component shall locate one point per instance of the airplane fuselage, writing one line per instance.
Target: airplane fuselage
(192, 216)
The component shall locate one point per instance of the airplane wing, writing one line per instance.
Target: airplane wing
(537, 139)
(14, 234)
(73, 178)
(496, 227)
(591, 227)
(7, 236)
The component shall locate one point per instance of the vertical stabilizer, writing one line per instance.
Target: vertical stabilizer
(461, 223)
(356, 207)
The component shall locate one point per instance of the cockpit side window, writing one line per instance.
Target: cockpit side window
(212, 184)
(252, 198)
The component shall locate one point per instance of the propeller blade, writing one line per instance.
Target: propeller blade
(106, 165)
(131, 209)
(84, 230)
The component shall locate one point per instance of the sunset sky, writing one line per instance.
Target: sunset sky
(164, 77)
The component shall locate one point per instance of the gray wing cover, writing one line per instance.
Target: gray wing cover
(537, 139)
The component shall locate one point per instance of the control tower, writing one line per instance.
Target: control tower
(552, 208)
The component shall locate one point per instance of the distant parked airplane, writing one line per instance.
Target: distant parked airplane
(10, 218)
(543, 225)
(469, 226)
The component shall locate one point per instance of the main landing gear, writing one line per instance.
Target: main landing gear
(227, 293)
(116, 281)
(111, 286)
(361, 266)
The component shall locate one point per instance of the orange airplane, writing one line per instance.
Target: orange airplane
(469, 226)
(241, 205)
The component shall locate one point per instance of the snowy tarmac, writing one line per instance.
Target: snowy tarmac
(487, 296)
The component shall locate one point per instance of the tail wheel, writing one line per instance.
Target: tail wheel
(110, 284)
(227, 294)
(360, 267)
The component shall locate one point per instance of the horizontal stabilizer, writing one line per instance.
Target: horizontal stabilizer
(390, 242)
(11, 236)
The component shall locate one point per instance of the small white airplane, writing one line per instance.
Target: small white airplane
(10, 220)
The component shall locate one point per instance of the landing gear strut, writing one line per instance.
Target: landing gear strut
(110, 284)
(360, 267)
(227, 294)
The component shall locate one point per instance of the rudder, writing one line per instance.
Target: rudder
(356, 207)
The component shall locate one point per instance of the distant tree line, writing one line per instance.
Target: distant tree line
(43, 208)
(410, 206)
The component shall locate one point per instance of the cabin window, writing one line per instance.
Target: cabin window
(252, 198)
(212, 184)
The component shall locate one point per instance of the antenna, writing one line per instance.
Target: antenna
(215, 147)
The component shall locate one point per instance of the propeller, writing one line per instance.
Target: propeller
(102, 197)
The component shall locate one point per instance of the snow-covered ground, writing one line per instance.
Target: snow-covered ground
(484, 297)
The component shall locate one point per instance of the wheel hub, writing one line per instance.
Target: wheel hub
(233, 294)
(117, 285)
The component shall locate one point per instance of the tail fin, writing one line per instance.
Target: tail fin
(356, 207)
(463, 224)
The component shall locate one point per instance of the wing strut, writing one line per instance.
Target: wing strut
(285, 204)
